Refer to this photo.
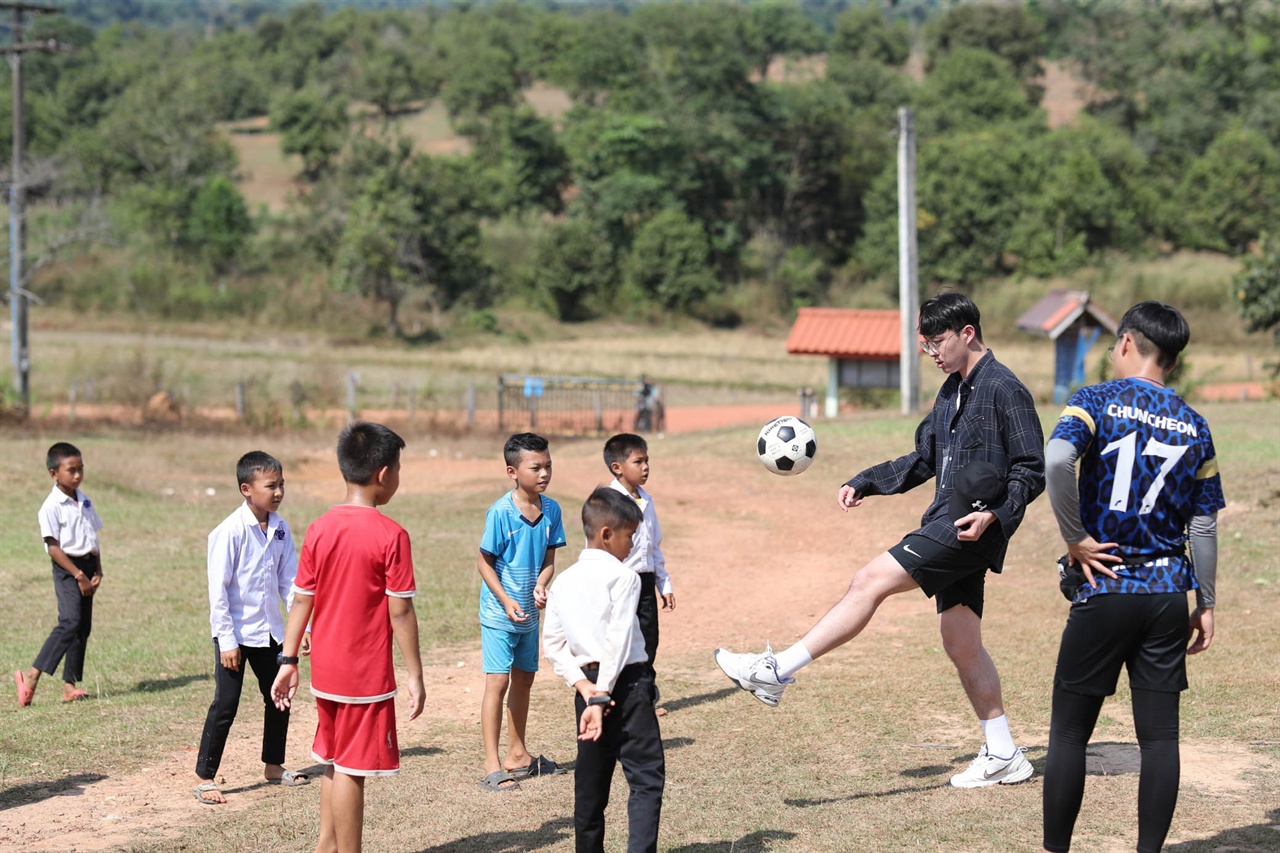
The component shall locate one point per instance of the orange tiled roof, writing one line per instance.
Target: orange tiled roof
(846, 333)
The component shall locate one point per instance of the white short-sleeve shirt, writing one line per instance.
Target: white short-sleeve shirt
(72, 521)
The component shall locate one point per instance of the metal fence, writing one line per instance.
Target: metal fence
(567, 405)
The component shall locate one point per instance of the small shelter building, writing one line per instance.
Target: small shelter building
(1073, 323)
(862, 347)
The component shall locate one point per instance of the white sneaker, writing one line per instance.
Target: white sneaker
(986, 769)
(756, 673)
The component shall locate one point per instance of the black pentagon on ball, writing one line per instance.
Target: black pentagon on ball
(760, 447)
(811, 449)
(786, 433)
(784, 463)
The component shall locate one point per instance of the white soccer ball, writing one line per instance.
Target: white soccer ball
(787, 445)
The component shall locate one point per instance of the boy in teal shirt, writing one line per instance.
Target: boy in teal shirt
(517, 559)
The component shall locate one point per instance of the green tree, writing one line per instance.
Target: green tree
(668, 264)
(312, 124)
(779, 28)
(1096, 194)
(573, 268)
(1257, 288)
(526, 168)
(864, 33)
(971, 89)
(971, 191)
(1231, 194)
(219, 225)
(1004, 29)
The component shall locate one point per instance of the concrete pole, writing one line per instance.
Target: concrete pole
(18, 235)
(908, 276)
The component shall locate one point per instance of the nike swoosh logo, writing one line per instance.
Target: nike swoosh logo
(907, 548)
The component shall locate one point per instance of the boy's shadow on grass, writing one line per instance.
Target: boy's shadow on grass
(155, 685)
(756, 842)
(701, 699)
(34, 792)
(516, 841)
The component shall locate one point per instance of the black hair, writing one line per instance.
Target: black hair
(949, 312)
(256, 462)
(364, 449)
(1159, 326)
(608, 507)
(61, 450)
(521, 442)
(621, 446)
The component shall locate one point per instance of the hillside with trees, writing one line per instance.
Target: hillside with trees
(687, 175)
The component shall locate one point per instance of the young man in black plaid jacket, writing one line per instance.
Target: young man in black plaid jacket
(983, 447)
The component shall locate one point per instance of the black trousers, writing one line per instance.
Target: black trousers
(227, 685)
(630, 735)
(70, 637)
(647, 614)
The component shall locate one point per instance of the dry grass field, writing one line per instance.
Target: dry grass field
(856, 757)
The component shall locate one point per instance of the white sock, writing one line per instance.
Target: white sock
(999, 740)
(792, 660)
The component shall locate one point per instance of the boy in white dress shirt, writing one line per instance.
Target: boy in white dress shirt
(69, 526)
(592, 638)
(252, 563)
(627, 456)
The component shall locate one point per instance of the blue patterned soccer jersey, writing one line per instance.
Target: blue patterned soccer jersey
(1147, 466)
(519, 547)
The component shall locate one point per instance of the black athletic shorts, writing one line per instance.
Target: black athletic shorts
(1148, 634)
(948, 575)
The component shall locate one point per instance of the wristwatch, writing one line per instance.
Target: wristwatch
(282, 659)
(599, 700)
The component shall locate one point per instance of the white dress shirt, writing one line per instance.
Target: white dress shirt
(73, 522)
(251, 571)
(591, 618)
(646, 547)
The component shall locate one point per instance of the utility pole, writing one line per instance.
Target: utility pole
(908, 275)
(17, 200)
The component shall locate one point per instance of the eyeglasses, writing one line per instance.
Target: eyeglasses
(931, 347)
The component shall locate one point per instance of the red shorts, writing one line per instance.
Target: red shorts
(358, 740)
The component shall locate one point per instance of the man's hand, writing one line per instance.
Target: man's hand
(848, 498)
(539, 596)
(417, 697)
(669, 601)
(285, 685)
(231, 659)
(591, 726)
(972, 526)
(1091, 555)
(1202, 622)
(305, 648)
(87, 585)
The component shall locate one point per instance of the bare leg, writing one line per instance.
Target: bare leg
(518, 718)
(341, 813)
(874, 582)
(31, 678)
(962, 638)
(495, 690)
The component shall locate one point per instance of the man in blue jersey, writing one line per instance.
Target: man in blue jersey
(1148, 486)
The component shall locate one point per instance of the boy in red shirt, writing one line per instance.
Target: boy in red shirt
(354, 585)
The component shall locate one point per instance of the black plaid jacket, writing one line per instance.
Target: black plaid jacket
(995, 421)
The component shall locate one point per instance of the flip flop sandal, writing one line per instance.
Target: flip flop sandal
(291, 779)
(75, 696)
(204, 788)
(540, 766)
(495, 782)
(25, 693)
